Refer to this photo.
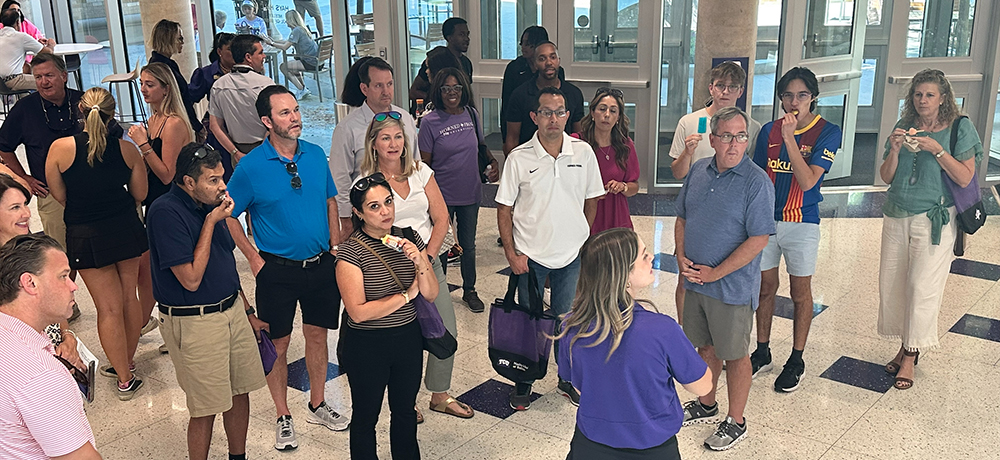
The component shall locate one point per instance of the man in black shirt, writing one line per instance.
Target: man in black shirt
(521, 69)
(456, 33)
(520, 126)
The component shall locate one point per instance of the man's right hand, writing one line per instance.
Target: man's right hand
(256, 263)
(37, 187)
(518, 262)
(222, 211)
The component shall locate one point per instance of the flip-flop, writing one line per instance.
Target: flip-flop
(445, 408)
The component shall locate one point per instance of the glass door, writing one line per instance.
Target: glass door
(832, 37)
(606, 31)
(954, 37)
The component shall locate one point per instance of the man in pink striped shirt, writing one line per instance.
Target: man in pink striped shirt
(41, 410)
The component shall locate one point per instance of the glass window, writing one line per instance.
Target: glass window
(766, 63)
(676, 79)
(89, 25)
(362, 28)
(869, 67)
(829, 28)
(424, 19)
(502, 23)
(606, 30)
(874, 16)
(994, 163)
(939, 28)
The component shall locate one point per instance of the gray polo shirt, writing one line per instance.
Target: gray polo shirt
(721, 211)
(234, 99)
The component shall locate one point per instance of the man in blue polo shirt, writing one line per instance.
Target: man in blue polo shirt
(195, 279)
(288, 190)
(725, 214)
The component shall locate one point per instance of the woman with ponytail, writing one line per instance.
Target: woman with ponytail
(88, 174)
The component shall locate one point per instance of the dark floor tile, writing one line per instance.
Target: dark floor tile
(858, 373)
(976, 269)
(492, 397)
(453, 287)
(978, 326)
(665, 262)
(785, 308)
(505, 272)
(298, 378)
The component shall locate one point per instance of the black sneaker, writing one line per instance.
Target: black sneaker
(790, 377)
(128, 391)
(695, 413)
(569, 392)
(726, 435)
(471, 299)
(520, 400)
(760, 361)
(500, 242)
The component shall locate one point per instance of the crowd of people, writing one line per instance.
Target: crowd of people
(151, 223)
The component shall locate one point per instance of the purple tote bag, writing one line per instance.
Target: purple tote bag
(519, 340)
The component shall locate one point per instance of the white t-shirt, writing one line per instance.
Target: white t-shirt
(13, 46)
(547, 195)
(688, 125)
(415, 211)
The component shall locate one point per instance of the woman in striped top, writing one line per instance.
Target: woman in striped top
(381, 343)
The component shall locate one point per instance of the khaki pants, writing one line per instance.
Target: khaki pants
(21, 82)
(51, 214)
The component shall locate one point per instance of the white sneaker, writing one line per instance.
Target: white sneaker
(284, 434)
(302, 93)
(151, 324)
(326, 416)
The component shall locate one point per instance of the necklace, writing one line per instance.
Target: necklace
(607, 152)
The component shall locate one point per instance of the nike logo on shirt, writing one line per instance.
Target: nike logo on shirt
(769, 145)
(532, 171)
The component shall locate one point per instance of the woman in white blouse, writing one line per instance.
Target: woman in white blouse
(419, 205)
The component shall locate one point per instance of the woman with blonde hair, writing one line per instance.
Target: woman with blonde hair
(919, 227)
(99, 178)
(622, 358)
(420, 205)
(166, 41)
(306, 52)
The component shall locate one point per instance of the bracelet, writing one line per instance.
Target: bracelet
(71, 332)
(406, 298)
(146, 152)
(144, 143)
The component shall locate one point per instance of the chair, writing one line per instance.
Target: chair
(73, 66)
(6, 92)
(324, 63)
(131, 79)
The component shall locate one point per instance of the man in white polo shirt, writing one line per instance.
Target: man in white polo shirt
(546, 204)
(41, 410)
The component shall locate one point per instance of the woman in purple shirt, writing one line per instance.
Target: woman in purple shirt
(449, 141)
(623, 359)
(605, 128)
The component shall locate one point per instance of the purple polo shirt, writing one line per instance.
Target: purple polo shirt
(454, 146)
(629, 400)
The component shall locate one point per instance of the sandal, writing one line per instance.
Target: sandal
(445, 408)
(420, 417)
(903, 383)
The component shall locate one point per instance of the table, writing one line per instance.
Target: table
(271, 62)
(72, 52)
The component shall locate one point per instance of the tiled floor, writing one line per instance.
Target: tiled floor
(845, 409)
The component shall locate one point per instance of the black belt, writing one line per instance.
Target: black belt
(308, 263)
(200, 309)
(10, 77)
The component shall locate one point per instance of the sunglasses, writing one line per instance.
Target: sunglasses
(293, 169)
(203, 152)
(366, 182)
(381, 116)
(612, 91)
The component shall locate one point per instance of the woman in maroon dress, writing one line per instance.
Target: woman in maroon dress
(605, 128)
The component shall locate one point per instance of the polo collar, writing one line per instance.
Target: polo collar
(270, 153)
(242, 68)
(34, 339)
(540, 152)
(67, 100)
(739, 169)
(188, 201)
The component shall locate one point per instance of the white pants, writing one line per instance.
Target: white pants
(912, 275)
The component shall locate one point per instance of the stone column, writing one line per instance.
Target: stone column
(153, 11)
(725, 29)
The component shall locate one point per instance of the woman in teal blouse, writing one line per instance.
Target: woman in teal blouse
(919, 228)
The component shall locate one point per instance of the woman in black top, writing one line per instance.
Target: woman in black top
(88, 174)
(166, 41)
(381, 342)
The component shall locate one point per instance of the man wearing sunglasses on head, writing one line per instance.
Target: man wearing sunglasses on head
(286, 187)
(348, 145)
(41, 411)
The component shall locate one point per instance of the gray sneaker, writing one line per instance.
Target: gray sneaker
(284, 434)
(695, 413)
(151, 324)
(326, 416)
(726, 435)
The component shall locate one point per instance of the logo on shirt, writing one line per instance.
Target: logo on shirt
(806, 149)
(770, 146)
(777, 165)
(574, 166)
(532, 171)
(828, 155)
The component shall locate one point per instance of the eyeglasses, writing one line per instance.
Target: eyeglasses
(65, 121)
(801, 96)
(722, 88)
(381, 116)
(546, 113)
(365, 183)
(612, 91)
(455, 89)
(293, 169)
(726, 138)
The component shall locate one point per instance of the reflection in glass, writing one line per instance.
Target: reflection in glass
(90, 25)
(994, 163)
(832, 108)
(939, 28)
(424, 19)
(606, 31)
(868, 69)
(829, 28)
(502, 24)
(766, 64)
(676, 79)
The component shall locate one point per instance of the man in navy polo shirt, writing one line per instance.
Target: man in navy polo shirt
(725, 214)
(195, 279)
(288, 190)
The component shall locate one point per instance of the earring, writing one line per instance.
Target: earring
(628, 285)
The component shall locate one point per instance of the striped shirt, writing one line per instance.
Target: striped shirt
(41, 410)
(379, 283)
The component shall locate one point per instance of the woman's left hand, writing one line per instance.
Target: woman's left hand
(928, 143)
(138, 134)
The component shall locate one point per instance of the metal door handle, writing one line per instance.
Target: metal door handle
(610, 44)
(595, 45)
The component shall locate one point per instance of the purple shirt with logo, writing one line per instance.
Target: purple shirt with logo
(454, 147)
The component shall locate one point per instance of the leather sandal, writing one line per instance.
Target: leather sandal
(903, 383)
(445, 408)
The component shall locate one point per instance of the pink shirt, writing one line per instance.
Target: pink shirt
(41, 409)
(29, 28)
(612, 209)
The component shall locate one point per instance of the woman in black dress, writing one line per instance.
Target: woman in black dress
(166, 41)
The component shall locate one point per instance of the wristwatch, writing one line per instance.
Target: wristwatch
(939, 154)
(251, 311)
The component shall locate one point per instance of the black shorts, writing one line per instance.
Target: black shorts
(315, 289)
(105, 242)
(581, 448)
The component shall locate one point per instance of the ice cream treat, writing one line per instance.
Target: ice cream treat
(910, 140)
(393, 242)
(795, 112)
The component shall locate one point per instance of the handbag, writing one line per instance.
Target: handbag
(520, 336)
(484, 155)
(437, 340)
(968, 200)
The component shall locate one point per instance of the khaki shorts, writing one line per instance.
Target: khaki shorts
(51, 214)
(215, 357)
(710, 322)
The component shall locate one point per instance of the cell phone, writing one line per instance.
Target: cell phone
(702, 125)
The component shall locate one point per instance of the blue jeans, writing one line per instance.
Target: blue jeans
(466, 219)
(562, 281)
